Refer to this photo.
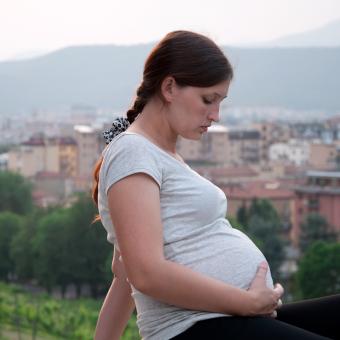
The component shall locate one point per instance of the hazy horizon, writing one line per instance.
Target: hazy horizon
(41, 26)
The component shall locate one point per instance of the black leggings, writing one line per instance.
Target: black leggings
(308, 319)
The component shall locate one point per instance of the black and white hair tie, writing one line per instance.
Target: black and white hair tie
(119, 125)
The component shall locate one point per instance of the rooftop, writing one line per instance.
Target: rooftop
(258, 189)
(324, 174)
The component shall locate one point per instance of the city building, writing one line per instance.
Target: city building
(292, 152)
(244, 147)
(35, 155)
(277, 192)
(212, 147)
(88, 143)
(323, 156)
(319, 193)
(42, 154)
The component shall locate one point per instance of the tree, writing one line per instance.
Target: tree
(51, 250)
(90, 248)
(319, 270)
(264, 209)
(315, 228)
(15, 193)
(264, 234)
(21, 251)
(9, 225)
(236, 223)
(242, 215)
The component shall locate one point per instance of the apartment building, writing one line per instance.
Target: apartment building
(323, 156)
(222, 146)
(88, 143)
(244, 147)
(212, 147)
(271, 133)
(41, 154)
(294, 152)
(35, 155)
(319, 193)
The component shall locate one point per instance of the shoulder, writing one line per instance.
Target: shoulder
(127, 154)
(127, 142)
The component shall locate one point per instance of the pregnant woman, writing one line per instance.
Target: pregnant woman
(187, 271)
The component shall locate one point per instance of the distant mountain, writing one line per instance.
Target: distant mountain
(325, 36)
(107, 76)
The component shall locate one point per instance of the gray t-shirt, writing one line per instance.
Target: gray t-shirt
(195, 231)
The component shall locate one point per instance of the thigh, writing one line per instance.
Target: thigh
(243, 328)
(321, 315)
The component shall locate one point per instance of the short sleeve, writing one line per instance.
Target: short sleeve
(127, 155)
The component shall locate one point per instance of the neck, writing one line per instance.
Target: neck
(152, 123)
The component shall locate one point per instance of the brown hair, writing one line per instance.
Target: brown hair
(190, 58)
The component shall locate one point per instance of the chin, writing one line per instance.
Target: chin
(192, 136)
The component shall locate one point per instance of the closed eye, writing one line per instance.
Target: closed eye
(206, 101)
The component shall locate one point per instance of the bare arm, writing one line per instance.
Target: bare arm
(118, 305)
(135, 211)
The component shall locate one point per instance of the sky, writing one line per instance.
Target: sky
(29, 27)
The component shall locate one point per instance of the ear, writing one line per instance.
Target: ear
(168, 88)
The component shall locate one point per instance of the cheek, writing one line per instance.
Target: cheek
(196, 108)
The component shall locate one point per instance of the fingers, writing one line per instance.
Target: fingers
(260, 276)
(279, 290)
(273, 314)
(279, 303)
(262, 270)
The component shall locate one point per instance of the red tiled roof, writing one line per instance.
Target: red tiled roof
(234, 171)
(258, 189)
(39, 141)
(34, 141)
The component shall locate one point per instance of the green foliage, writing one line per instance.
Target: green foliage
(15, 193)
(265, 233)
(89, 248)
(69, 249)
(21, 251)
(242, 215)
(50, 246)
(61, 318)
(264, 209)
(9, 225)
(60, 246)
(319, 270)
(315, 228)
(236, 223)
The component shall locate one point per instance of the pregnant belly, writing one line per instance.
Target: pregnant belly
(221, 252)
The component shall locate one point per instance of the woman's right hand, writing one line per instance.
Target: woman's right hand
(265, 300)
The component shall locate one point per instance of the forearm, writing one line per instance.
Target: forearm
(178, 285)
(115, 312)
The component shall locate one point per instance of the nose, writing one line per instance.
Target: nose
(214, 114)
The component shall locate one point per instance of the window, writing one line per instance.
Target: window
(313, 203)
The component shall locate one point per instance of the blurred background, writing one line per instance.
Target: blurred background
(68, 68)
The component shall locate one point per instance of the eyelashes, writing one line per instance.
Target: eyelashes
(206, 101)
